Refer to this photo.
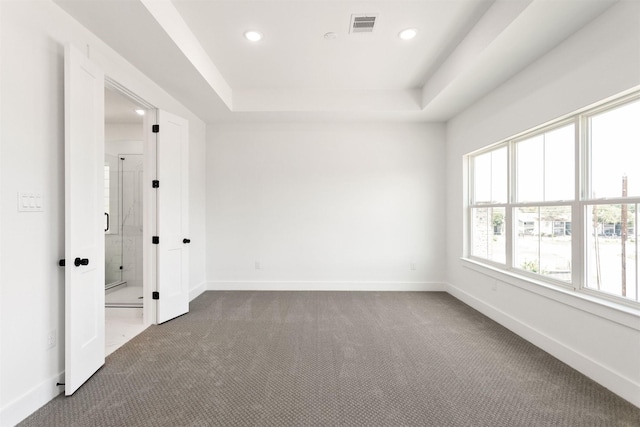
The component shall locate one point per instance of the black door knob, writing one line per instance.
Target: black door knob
(186, 240)
(81, 261)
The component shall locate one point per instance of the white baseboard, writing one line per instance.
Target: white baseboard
(625, 388)
(326, 286)
(31, 401)
(197, 290)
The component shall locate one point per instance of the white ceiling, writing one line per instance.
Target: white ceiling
(120, 109)
(295, 55)
(463, 50)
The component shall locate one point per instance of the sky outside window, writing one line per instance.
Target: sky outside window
(490, 177)
(615, 151)
(545, 170)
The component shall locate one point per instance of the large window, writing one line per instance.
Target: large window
(560, 203)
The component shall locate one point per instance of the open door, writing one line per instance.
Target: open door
(84, 235)
(172, 151)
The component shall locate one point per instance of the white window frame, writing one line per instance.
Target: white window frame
(471, 194)
(578, 205)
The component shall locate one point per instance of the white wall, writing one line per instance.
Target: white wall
(325, 206)
(2, 41)
(197, 205)
(124, 132)
(33, 35)
(601, 60)
(123, 138)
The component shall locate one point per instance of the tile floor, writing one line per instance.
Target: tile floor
(121, 324)
(124, 296)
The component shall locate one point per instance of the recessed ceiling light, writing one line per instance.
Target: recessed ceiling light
(253, 36)
(330, 36)
(139, 111)
(408, 34)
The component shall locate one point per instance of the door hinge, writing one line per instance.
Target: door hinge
(155, 183)
(155, 295)
(155, 128)
(155, 240)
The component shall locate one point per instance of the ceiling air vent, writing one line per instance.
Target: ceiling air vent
(363, 23)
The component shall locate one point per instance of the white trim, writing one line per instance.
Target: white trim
(112, 84)
(197, 290)
(1, 239)
(623, 387)
(25, 405)
(149, 218)
(618, 313)
(326, 286)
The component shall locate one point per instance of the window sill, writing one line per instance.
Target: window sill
(612, 311)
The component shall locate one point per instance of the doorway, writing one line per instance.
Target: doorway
(123, 217)
(165, 213)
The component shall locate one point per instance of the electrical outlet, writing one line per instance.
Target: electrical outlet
(51, 338)
(257, 265)
(412, 266)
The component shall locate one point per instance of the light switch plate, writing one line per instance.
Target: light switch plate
(30, 202)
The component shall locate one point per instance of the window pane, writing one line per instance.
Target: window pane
(530, 166)
(615, 150)
(482, 178)
(545, 166)
(480, 232)
(497, 247)
(499, 175)
(612, 249)
(559, 159)
(543, 241)
(490, 177)
(488, 234)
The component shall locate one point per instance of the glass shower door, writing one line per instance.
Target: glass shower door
(113, 237)
(123, 230)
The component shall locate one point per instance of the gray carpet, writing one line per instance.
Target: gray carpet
(334, 359)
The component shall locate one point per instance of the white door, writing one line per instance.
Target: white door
(84, 231)
(172, 151)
